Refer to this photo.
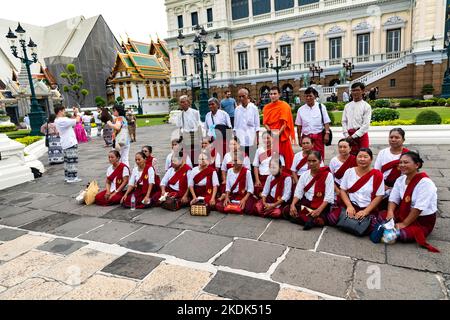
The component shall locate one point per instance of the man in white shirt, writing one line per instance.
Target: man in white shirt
(311, 122)
(189, 124)
(69, 144)
(98, 122)
(247, 123)
(345, 97)
(356, 119)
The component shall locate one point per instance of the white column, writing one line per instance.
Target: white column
(152, 93)
(250, 10)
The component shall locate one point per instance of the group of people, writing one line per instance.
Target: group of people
(274, 182)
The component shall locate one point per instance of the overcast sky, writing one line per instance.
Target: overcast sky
(138, 18)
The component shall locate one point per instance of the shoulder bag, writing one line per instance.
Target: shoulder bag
(353, 226)
(324, 131)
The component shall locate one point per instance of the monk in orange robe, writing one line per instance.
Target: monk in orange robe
(278, 119)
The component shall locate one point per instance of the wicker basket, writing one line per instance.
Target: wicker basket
(200, 210)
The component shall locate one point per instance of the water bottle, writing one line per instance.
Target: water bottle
(133, 202)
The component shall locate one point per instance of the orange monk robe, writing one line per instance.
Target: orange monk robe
(276, 114)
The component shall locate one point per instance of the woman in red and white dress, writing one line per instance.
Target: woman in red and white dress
(261, 163)
(204, 182)
(315, 193)
(413, 202)
(208, 147)
(227, 162)
(341, 163)
(276, 193)
(300, 164)
(177, 147)
(362, 190)
(117, 177)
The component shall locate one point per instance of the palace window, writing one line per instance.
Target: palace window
(122, 92)
(197, 66)
(363, 44)
(335, 48)
(243, 60)
(393, 41)
(283, 4)
(304, 2)
(194, 18)
(213, 63)
(209, 14)
(261, 7)
(184, 67)
(239, 9)
(263, 55)
(180, 22)
(286, 51)
(129, 93)
(310, 51)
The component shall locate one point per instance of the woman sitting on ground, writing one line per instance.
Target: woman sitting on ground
(239, 187)
(313, 195)
(362, 190)
(413, 202)
(177, 148)
(208, 147)
(141, 184)
(227, 162)
(340, 164)
(203, 181)
(117, 177)
(277, 191)
(151, 161)
(261, 163)
(300, 164)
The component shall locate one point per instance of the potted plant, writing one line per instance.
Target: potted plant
(4, 118)
(427, 91)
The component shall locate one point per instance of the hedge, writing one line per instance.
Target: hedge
(28, 140)
(385, 114)
(150, 116)
(380, 103)
(8, 128)
(393, 123)
(428, 117)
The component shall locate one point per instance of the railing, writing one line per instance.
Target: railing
(262, 17)
(309, 7)
(284, 12)
(363, 59)
(330, 3)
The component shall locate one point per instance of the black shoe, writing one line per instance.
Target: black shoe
(309, 225)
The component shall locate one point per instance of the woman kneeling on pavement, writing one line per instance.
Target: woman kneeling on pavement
(117, 177)
(239, 189)
(413, 202)
(277, 191)
(313, 195)
(203, 181)
(141, 185)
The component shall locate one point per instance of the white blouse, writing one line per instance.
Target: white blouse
(169, 174)
(231, 179)
(385, 156)
(363, 197)
(227, 159)
(196, 171)
(136, 175)
(287, 191)
(335, 165)
(217, 160)
(305, 179)
(110, 171)
(264, 166)
(424, 196)
(169, 161)
(297, 159)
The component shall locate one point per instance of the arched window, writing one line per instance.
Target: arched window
(239, 9)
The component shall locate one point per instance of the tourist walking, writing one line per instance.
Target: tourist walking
(53, 141)
(229, 105)
(80, 133)
(87, 118)
(98, 122)
(105, 117)
(132, 124)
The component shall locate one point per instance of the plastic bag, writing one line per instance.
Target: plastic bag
(91, 192)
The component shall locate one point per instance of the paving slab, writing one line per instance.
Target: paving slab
(10, 234)
(196, 246)
(123, 214)
(25, 266)
(209, 297)
(93, 210)
(384, 282)
(51, 222)
(169, 282)
(26, 199)
(441, 182)
(36, 289)
(15, 248)
(78, 227)
(238, 287)
(112, 232)
(159, 216)
(241, 226)
(25, 218)
(291, 235)
(412, 256)
(44, 203)
(133, 265)
(444, 172)
(444, 209)
(65, 207)
(344, 244)
(8, 211)
(100, 287)
(202, 224)
(253, 256)
(441, 230)
(316, 271)
(290, 294)
(443, 194)
(62, 246)
(149, 239)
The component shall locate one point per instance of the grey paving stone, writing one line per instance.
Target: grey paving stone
(441, 230)
(202, 224)
(159, 216)
(62, 246)
(132, 265)
(394, 283)
(237, 287)
(78, 227)
(435, 173)
(112, 232)
(49, 223)
(195, 246)
(441, 182)
(412, 256)
(443, 194)
(253, 256)
(291, 235)
(44, 203)
(444, 209)
(23, 199)
(93, 211)
(241, 226)
(316, 271)
(68, 206)
(444, 172)
(25, 218)
(62, 189)
(9, 211)
(343, 244)
(10, 234)
(149, 239)
(123, 214)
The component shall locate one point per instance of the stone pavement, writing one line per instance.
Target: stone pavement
(52, 248)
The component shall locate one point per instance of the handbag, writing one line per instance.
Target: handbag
(200, 209)
(171, 204)
(91, 192)
(351, 225)
(323, 132)
(233, 208)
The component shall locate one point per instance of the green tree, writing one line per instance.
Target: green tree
(74, 84)
(119, 101)
(100, 101)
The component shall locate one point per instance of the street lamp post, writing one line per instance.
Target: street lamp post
(349, 67)
(446, 83)
(279, 64)
(140, 111)
(200, 53)
(37, 116)
(316, 69)
(433, 42)
(207, 78)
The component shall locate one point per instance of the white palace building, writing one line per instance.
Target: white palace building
(396, 45)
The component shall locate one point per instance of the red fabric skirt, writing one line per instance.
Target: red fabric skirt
(426, 224)
(101, 201)
(139, 194)
(172, 193)
(201, 191)
(276, 213)
(375, 216)
(318, 145)
(259, 190)
(302, 217)
(359, 143)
